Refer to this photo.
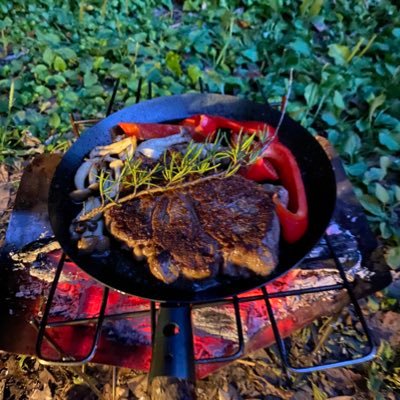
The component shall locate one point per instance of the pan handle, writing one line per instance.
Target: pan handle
(172, 372)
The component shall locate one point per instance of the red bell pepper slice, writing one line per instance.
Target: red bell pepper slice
(150, 131)
(294, 218)
(261, 170)
(206, 125)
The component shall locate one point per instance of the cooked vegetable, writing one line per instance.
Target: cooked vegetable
(294, 218)
(148, 131)
(155, 148)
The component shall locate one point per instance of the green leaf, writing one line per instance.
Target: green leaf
(339, 53)
(59, 64)
(89, 79)
(275, 4)
(373, 174)
(311, 94)
(377, 102)
(338, 100)
(66, 53)
(352, 144)
(371, 205)
(251, 54)
(385, 162)
(356, 169)
(329, 118)
(98, 62)
(48, 56)
(388, 140)
(316, 7)
(300, 47)
(396, 32)
(50, 38)
(119, 71)
(194, 73)
(393, 257)
(397, 192)
(373, 304)
(173, 61)
(381, 193)
(385, 230)
(54, 120)
(311, 7)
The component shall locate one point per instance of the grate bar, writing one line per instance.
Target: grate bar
(286, 364)
(109, 317)
(43, 325)
(240, 347)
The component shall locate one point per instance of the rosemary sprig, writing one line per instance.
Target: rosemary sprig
(99, 210)
(207, 160)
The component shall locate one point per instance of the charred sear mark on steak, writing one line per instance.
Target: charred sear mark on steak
(226, 226)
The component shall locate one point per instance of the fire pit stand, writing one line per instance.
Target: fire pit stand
(348, 210)
(235, 301)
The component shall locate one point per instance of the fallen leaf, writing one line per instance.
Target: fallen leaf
(138, 385)
(229, 394)
(5, 189)
(386, 325)
(343, 378)
(5, 194)
(46, 376)
(2, 388)
(3, 173)
(341, 398)
(44, 394)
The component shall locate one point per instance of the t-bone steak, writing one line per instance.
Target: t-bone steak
(226, 226)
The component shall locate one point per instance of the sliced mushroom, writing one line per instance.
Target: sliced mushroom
(80, 195)
(87, 245)
(93, 241)
(113, 148)
(116, 166)
(94, 187)
(93, 174)
(83, 172)
(89, 205)
(154, 148)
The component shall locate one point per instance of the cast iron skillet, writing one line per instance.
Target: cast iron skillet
(118, 271)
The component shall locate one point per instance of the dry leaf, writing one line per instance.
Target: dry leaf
(5, 195)
(29, 140)
(3, 174)
(341, 398)
(46, 376)
(44, 394)
(228, 393)
(2, 388)
(386, 325)
(5, 189)
(343, 378)
(138, 386)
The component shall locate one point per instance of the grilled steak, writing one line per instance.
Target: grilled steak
(227, 226)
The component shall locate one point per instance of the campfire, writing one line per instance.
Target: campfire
(64, 316)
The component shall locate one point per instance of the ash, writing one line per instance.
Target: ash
(129, 333)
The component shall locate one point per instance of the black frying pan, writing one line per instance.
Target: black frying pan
(119, 271)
